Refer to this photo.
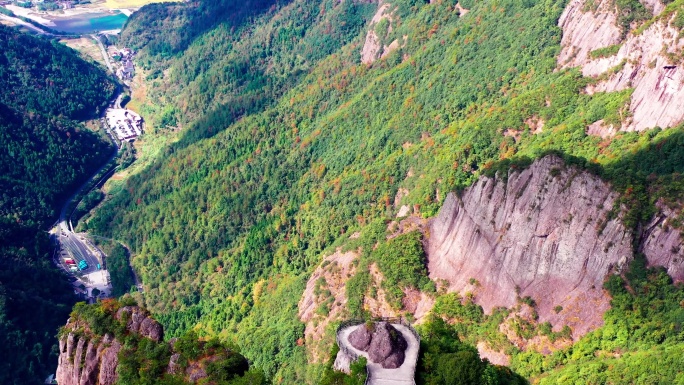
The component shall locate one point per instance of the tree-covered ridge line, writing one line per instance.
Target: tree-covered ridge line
(45, 152)
(272, 192)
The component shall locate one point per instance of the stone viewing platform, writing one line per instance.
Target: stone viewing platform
(390, 346)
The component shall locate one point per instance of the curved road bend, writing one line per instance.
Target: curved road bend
(403, 375)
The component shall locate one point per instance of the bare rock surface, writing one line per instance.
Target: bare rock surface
(140, 322)
(373, 47)
(361, 338)
(387, 346)
(658, 97)
(643, 61)
(496, 357)
(89, 358)
(384, 344)
(342, 362)
(402, 375)
(585, 31)
(662, 244)
(544, 232)
(87, 362)
(109, 353)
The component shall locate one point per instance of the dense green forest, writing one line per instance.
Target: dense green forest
(290, 144)
(45, 152)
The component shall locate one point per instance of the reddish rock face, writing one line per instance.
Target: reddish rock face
(662, 244)
(91, 359)
(642, 62)
(139, 322)
(544, 232)
(385, 344)
(360, 338)
(85, 362)
(547, 232)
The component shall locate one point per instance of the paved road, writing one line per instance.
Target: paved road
(402, 375)
(104, 53)
(74, 242)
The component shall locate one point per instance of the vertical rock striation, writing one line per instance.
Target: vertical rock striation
(647, 60)
(662, 244)
(546, 232)
(550, 232)
(87, 362)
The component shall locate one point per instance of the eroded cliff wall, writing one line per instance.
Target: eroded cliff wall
(546, 232)
(646, 56)
(551, 232)
(85, 359)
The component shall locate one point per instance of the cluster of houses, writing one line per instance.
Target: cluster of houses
(126, 124)
(42, 5)
(124, 57)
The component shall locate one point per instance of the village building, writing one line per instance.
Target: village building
(124, 123)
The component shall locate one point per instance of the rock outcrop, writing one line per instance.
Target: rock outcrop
(586, 30)
(87, 362)
(547, 232)
(86, 358)
(374, 48)
(361, 338)
(385, 344)
(644, 61)
(550, 232)
(645, 65)
(662, 245)
(139, 321)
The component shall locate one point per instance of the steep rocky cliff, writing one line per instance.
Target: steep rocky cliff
(94, 363)
(547, 232)
(661, 243)
(97, 337)
(550, 232)
(646, 59)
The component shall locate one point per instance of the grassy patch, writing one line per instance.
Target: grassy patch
(605, 51)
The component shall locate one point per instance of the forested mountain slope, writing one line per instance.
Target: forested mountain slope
(45, 153)
(291, 144)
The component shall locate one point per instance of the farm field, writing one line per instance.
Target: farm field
(86, 46)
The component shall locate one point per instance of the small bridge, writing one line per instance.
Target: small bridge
(377, 375)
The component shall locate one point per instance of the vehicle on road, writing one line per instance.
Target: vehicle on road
(82, 265)
(69, 261)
